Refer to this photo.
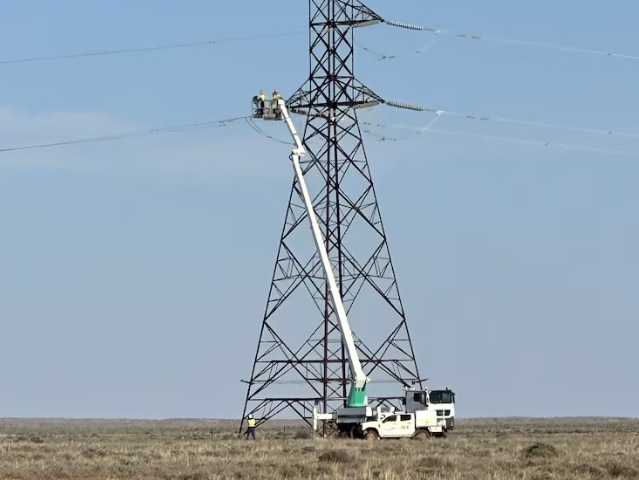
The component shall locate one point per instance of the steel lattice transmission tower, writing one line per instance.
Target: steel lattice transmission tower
(300, 360)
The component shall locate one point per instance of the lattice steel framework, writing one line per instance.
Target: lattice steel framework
(300, 360)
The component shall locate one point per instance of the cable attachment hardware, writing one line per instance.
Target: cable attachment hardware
(407, 106)
(408, 26)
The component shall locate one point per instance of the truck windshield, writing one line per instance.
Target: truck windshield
(442, 396)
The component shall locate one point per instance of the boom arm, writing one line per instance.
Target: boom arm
(357, 395)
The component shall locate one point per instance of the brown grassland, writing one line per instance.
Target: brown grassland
(577, 448)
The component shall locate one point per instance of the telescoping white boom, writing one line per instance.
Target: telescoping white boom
(357, 396)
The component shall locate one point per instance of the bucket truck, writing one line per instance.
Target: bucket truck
(425, 412)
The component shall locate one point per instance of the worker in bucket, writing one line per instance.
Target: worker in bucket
(259, 103)
(250, 431)
(262, 99)
(275, 103)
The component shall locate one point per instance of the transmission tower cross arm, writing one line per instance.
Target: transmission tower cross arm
(357, 396)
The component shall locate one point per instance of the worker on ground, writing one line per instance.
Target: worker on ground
(250, 431)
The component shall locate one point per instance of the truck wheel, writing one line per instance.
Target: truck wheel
(422, 435)
(372, 435)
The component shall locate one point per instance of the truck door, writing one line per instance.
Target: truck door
(406, 425)
(390, 426)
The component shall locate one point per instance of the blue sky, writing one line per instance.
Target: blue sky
(133, 273)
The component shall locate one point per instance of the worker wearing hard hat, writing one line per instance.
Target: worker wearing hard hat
(259, 103)
(250, 431)
(275, 103)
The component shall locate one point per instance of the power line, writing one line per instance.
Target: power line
(120, 136)
(490, 38)
(257, 129)
(549, 46)
(538, 143)
(428, 128)
(532, 123)
(145, 49)
(381, 56)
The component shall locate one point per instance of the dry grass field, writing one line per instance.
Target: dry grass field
(210, 450)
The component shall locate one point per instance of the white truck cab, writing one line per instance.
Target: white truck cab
(439, 402)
